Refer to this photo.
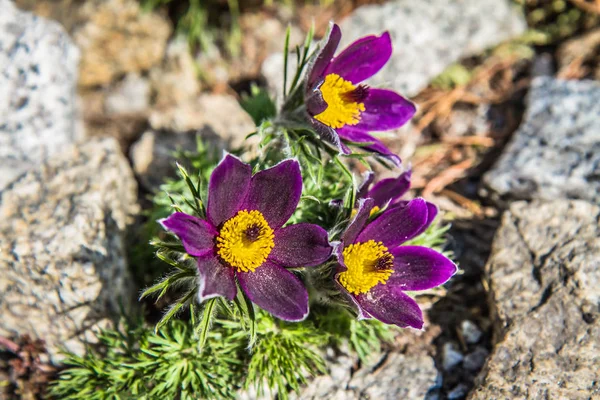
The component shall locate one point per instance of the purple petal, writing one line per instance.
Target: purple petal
(362, 59)
(227, 189)
(362, 314)
(388, 190)
(358, 222)
(324, 58)
(432, 212)
(375, 145)
(419, 268)
(276, 290)
(300, 245)
(197, 235)
(384, 110)
(390, 305)
(275, 192)
(215, 279)
(329, 135)
(363, 189)
(397, 225)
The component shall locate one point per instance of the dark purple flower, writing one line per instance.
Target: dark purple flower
(340, 107)
(375, 270)
(242, 237)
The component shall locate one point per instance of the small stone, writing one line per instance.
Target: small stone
(471, 332)
(130, 96)
(118, 38)
(475, 360)
(459, 392)
(451, 357)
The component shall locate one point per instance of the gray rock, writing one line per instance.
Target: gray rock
(130, 96)
(63, 268)
(543, 275)
(389, 376)
(475, 360)
(38, 77)
(470, 332)
(556, 151)
(458, 392)
(451, 356)
(430, 35)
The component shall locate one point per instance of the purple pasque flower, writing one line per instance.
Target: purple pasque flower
(340, 107)
(375, 269)
(242, 237)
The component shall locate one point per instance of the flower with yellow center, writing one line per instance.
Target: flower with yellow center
(343, 102)
(368, 264)
(343, 110)
(245, 241)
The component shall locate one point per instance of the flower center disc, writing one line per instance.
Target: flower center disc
(344, 102)
(245, 241)
(368, 264)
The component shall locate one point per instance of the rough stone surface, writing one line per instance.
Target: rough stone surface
(63, 269)
(543, 276)
(427, 37)
(556, 151)
(220, 114)
(118, 38)
(391, 376)
(38, 75)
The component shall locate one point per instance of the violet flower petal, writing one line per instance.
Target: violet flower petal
(300, 245)
(397, 225)
(361, 314)
(216, 279)
(375, 145)
(358, 222)
(362, 59)
(384, 110)
(388, 190)
(363, 189)
(325, 55)
(419, 268)
(197, 235)
(227, 189)
(432, 212)
(276, 290)
(330, 135)
(275, 192)
(390, 305)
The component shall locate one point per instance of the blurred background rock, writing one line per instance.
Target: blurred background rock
(97, 95)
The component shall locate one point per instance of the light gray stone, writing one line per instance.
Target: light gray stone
(389, 376)
(470, 331)
(38, 77)
(556, 151)
(63, 268)
(543, 275)
(429, 35)
(451, 357)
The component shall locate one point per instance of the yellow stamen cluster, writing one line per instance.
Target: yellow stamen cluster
(341, 110)
(368, 264)
(245, 241)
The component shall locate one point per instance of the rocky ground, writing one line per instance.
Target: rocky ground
(506, 141)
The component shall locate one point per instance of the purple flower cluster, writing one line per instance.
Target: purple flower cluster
(244, 242)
